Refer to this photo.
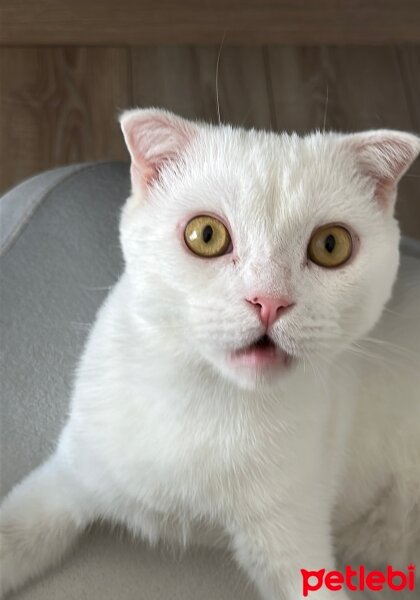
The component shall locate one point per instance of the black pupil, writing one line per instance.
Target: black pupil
(207, 233)
(329, 243)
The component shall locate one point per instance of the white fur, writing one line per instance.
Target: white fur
(164, 434)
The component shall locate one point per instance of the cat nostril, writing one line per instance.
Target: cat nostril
(270, 308)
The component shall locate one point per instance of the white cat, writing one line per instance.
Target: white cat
(228, 379)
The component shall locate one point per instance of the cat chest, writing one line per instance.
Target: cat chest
(168, 464)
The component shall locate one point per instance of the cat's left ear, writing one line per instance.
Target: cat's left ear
(154, 138)
(384, 156)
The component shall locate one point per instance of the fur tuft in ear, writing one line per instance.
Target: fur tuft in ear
(153, 137)
(385, 156)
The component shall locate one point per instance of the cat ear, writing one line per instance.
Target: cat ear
(153, 137)
(384, 156)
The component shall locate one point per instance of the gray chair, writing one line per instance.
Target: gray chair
(60, 255)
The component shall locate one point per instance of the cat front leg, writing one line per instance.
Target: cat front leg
(39, 521)
(273, 551)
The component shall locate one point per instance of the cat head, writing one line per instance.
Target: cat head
(256, 254)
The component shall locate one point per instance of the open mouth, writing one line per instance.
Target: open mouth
(263, 342)
(261, 353)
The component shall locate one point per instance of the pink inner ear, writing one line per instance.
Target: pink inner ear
(153, 138)
(379, 168)
(141, 177)
(384, 157)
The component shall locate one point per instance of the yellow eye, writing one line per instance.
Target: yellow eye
(330, 246)
(207, 237)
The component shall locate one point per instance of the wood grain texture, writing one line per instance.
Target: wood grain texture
(298, 87)
(183, 79)
(107, 22)
(178, 78)
(59, 106)
(409, 65)
(408, 208)
(350, 88)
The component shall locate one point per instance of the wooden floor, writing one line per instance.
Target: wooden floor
(59, 105)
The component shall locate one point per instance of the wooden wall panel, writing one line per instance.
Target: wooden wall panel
(408, 209)
(409, 65)
(58, 106)
(353, 88)
(107, 22)
(183, 79)
(298, 86)
(366, 89)
(178, 78)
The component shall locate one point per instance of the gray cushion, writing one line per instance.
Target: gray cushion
(60, 256)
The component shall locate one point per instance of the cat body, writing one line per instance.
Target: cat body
(226, 390)
(378, 519)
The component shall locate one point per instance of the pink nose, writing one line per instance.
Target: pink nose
(270, 308)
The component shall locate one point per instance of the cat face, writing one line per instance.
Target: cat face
(255, 253)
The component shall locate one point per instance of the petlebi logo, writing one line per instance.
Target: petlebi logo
(359, 579)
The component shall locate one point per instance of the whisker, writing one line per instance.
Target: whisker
(325, 110)
(383, 344)
(317, 372)
(395, 313)
(386, 361)
(217, 77)
(392, 347)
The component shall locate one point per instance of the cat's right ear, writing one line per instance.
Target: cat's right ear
(383, 156)
(153, 137)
